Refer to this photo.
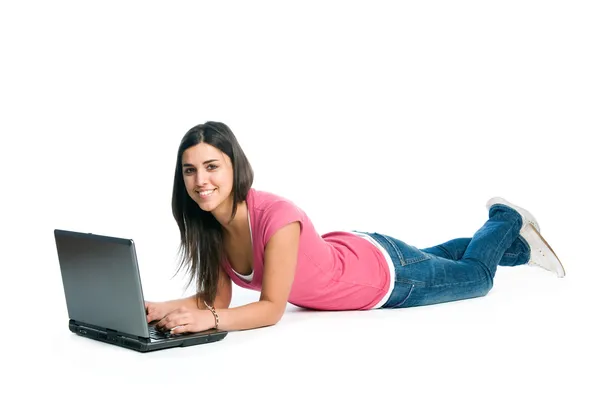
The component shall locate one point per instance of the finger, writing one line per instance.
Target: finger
(162, 320)
(179, 312)
(164, 317)
(170, 321)
(181, 329)
(175, 322)
(160, 323)
(152, 316)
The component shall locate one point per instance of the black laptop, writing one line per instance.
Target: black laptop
(104, 295)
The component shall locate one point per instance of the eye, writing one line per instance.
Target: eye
(212, 167)
(188, 171)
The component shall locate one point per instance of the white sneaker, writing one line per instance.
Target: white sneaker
(528, 218)
(541, 254)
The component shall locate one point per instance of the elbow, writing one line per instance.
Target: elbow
(275, 314)
(273, 321)
(276, 318)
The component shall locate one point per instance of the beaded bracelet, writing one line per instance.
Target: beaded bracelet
(214, 314)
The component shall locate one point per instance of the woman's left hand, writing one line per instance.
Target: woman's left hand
(186, 320)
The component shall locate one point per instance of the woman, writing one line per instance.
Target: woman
(232, 233)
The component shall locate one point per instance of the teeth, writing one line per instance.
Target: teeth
(206, 193)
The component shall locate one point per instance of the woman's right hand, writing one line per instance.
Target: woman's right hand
(157, 311)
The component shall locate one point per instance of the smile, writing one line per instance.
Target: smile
(205, 194)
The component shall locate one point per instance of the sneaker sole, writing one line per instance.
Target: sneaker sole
(531, 235)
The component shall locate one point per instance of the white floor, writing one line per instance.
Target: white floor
(533, 335)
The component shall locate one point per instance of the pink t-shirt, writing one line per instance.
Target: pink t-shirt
(335, 271)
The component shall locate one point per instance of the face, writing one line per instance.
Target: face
(208, 177)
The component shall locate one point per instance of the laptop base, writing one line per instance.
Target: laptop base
(143, 344)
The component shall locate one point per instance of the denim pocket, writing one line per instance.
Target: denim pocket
(404, 252)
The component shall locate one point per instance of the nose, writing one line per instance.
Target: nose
(201, 178)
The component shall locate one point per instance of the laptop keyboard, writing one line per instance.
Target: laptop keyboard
(158, 335)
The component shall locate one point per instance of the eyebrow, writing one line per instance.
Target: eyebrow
(205, 162)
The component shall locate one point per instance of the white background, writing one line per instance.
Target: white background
(397, 117)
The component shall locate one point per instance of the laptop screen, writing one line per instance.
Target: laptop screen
(101, 281)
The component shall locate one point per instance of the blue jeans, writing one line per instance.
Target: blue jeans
(459, 269)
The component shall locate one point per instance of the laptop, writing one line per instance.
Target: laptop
(103, 291)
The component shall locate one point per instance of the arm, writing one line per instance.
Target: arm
(157, 311)
(222, 300)
(281, 256)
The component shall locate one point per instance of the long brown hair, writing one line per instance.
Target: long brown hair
(201, 247)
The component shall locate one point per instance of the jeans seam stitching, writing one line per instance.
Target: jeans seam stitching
(410, 282)
(398, 253)
(412, 287)
(403, 262)
(461, 283)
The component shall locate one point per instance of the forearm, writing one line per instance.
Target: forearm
(194, 301)
(254, 315)
(190, 302)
